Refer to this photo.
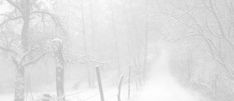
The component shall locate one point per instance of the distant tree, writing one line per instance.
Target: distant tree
(212, 24)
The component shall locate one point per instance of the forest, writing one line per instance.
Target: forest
(116, 50)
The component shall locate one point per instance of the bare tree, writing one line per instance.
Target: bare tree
(24, 10)
(215, 31)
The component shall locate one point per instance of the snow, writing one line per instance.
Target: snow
(162, 86)
(6, 97)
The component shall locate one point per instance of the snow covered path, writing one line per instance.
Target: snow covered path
(162, 86)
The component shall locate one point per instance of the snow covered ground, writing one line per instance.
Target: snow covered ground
(161, 86)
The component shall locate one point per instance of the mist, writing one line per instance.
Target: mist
(116, 50)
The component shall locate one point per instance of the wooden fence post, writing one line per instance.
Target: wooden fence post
(119, 88)
(100, 84)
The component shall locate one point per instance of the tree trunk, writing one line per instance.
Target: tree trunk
(59, 72)
(115, 38)
(19, 84)
(145, 65)
(26, 19)
(85, 45)
(60, 83)
(20, 80)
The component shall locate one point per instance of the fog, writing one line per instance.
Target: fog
(116, 50)
(162, 86)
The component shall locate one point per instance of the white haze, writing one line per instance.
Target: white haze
(147, 50)
(161, 85)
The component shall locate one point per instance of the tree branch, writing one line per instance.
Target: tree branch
(9, 19)
(8, 50)
(34, 60)
(25, 55)
(53, 17)
(210, 30)
(15, 61)
(14, 5)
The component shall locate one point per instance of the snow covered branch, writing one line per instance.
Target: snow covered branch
(14, 5)
(34, 60)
